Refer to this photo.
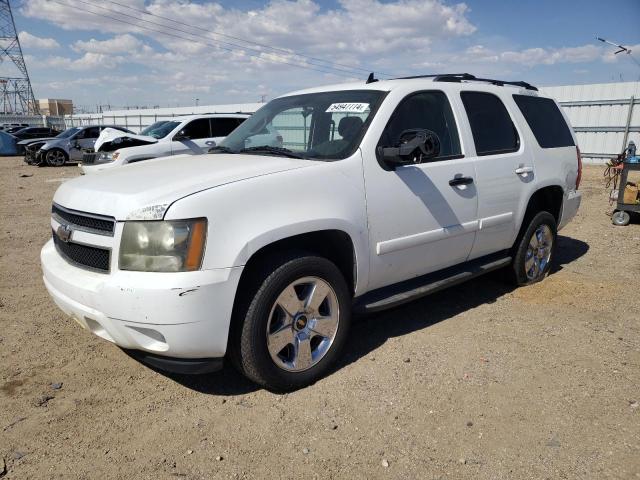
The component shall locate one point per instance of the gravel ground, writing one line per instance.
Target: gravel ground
(477, 382)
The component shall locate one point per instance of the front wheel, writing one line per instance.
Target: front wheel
(534, 252)
(56, 157)
(295, 325)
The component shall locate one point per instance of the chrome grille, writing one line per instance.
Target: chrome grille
(89, 222)
(89, 158)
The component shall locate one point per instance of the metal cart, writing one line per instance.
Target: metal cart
(621, 216)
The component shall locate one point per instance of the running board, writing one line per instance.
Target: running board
(409, 290)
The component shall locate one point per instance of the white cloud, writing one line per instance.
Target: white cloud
(89, 61)
(119, 44)
(358, 27)
(28, 40)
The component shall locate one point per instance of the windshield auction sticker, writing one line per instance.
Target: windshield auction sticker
(347, 108)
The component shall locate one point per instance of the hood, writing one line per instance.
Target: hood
(111, 139)
(120, 191)
(33, 140)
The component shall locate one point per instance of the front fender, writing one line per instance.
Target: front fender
(245, 216)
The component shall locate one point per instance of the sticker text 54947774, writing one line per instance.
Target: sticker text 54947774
(347, 108)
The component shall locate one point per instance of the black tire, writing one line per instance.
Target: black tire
(56, 157)
(620, 218)
(248, 342)
(518, 271)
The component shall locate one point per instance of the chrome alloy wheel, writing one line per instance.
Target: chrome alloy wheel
(302, 324)
(538, 252)
(55, 158)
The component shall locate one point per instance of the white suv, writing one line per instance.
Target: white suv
(380, 193)
(189, 135)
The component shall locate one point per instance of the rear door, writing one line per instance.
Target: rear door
(221, 127)
(505, 171)
(193, 139)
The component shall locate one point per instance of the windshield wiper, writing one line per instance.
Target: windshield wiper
(285, 152)
(221, 149)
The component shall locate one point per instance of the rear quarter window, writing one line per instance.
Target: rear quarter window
(545, 121)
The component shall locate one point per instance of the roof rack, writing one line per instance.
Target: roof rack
(459, 77)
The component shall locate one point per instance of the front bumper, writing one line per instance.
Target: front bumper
(183, 315)
(570, 207)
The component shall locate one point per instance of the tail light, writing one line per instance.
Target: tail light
(579, 176)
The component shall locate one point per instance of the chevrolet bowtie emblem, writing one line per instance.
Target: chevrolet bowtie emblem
(64, 233)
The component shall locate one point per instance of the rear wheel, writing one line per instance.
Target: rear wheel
(56, 157)
(535, 249)
(294, 326)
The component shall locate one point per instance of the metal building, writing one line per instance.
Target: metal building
(605, 116)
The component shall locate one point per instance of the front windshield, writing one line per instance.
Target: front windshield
(68, 132)
(160, 129)
(324, 125)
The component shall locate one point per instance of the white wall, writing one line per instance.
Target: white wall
(599, 113)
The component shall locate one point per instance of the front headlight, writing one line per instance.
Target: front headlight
(163, 246)
(104, 157)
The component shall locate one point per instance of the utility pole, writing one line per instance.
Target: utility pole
(16, 94)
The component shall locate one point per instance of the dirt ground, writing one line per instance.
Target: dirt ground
(477, 382)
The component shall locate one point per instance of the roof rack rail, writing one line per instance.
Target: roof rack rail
(459, 77)
(434, 75)
(469, 77)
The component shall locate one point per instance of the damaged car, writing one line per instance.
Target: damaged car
(190, 135)
(68, 146)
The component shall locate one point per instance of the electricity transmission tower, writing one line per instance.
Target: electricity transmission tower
(16, 94)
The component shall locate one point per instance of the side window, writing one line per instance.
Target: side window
(425, 110)
(545, 121)
(221, 127)
(491, 126)
(92, 132)
(197, 129)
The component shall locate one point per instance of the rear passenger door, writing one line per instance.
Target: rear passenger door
(193, 139)
(504, 170)
(221, 127)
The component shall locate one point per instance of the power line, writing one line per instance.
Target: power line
(270, 47)
(217, 44)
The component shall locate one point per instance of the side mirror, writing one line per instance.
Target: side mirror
(415, 146)
(180, 136)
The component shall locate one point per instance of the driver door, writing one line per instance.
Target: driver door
(193, 139)
(422, 217)
(84, 140)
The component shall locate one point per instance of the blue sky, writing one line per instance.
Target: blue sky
(73, 53)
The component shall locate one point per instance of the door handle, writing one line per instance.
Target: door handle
(522, 170)
(211, 143)
(457, 181)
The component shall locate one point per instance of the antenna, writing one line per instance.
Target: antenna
(16, 94)
(621, 48)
